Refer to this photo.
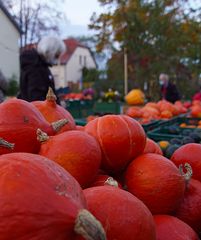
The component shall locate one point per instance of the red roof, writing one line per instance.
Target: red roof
(71, 45)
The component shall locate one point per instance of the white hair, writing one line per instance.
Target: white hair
(50, 48)
(164, 76)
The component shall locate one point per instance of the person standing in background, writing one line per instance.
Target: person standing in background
(35, 75)
(169, 90)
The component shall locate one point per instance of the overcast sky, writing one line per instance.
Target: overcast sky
(78, 13)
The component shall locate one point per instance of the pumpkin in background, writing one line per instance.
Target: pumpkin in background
(156, 181)
(19, 121)
(76, 151)
(123, 216)
(52, 112)
(135, 97)
(196, 111)
(189, 210)
(190, 153)
(152, 147)
(121, 139)
(134, 112)
(39, 200)
(166, 114)
(171, 228)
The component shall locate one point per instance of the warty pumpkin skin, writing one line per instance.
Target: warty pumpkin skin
(123, 216)
(190, 153)
(52, 112)
(19, 121)
(39, 200)
(121, 139)
(76, 151)
(189, 210)
(156, 181)
(171, 228)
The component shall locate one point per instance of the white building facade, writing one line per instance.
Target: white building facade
(69, 71)
(9, 48)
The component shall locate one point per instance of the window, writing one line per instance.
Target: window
(85, 61)
(80, 60)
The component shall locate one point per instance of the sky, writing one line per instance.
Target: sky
(78, 13)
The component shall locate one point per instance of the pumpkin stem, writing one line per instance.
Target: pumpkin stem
(88, 226)
(41, 136)
(110, 181)
(189, 172)
(4, 143)
(59, 124)
(50, 95)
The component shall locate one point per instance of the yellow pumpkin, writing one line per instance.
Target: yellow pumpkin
(135, 97)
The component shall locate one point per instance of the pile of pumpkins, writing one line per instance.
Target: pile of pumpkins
(103, 181)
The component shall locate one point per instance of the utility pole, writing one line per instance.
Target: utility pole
(125, 72)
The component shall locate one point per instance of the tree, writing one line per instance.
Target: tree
(159, 35)
(36, 18)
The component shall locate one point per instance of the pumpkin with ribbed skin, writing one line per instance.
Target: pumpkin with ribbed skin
(171, 228)
(190, 153)
(19, 121)
(123, 216)
(152, 147)
(39, 200)
(121, 139)
(135, 97)
(189, 210)
(156, 181)
(76, 151)
(52, 112)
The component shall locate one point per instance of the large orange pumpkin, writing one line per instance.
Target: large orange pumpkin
(121, 139)
(123, 216)
(190, 153)
(19, 121)
(52, 112)
(171, 228)
(40, 200)
(189, 210)
(152, 147)
(156, 181)
(77, 152)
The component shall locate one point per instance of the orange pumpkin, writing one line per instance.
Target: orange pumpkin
(53, 112)
(40, 200)
(134, 112)
(121, 139)
(76, 151)
(156, 181)
(123, 216)
(169, 228)
(152, 147)
(189, 153)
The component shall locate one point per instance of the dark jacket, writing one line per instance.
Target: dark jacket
(170, 92)
(35, 77)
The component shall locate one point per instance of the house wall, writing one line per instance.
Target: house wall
(70, 73)
(9, 49)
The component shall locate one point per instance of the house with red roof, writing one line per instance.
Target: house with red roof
(69, 70)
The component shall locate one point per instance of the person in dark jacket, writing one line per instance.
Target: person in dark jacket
(169, 90)
(35, 75)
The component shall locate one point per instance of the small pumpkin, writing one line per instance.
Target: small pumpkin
(189, 210)
(76, 151)
(169, 228)
(152, 147)
(40, 200)
(52, 112)
(121, 139)
(135, 97)
(190, 153)
(19, 121)
(156, 181)
(123, 216)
